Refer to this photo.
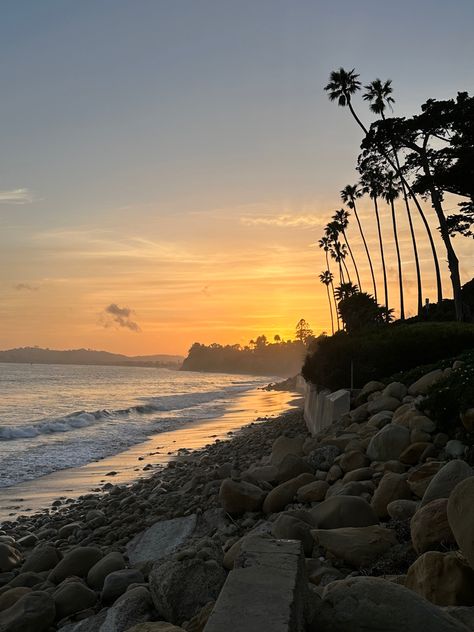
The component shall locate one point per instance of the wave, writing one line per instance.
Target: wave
(83, 419)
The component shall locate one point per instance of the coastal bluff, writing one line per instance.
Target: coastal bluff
(364, 524)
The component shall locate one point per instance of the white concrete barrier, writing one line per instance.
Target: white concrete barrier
(322, 408)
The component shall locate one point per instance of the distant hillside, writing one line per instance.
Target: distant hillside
(281, 358)
(36, 355)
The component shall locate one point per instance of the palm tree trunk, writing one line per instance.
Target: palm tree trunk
(396, 168)
(328, 267)
(382, 256)
(346, 269)
(353, 260)
(366, 250)
(453, 262)
(330, 309)
(399, 261)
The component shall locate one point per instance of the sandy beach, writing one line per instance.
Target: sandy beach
(143, 459)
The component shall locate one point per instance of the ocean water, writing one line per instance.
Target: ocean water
(58, 416)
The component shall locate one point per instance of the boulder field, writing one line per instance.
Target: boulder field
(378, 509)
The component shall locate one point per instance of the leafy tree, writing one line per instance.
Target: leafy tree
(303, 331)
(360, 311)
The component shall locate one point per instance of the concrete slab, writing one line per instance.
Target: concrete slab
(160, 540)
(266, 590)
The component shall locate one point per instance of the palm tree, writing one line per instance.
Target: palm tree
(342, 218)
(345, 290)
(342, 85)
(338, 251)
(325, 244)
(349, 194)
(326, 279)
(378, 94)
(390, 193)
(372, 184)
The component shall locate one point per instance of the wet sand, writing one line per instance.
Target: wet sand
(128, 466)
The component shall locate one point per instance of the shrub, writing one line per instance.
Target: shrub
(383, 351)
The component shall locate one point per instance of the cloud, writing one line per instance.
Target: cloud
(26, 286)
(119, 316)
(16, 196)
(283, 221)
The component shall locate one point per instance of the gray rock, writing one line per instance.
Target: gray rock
(180, 588)
(10, 557)
(111, 562)
(363, 604)
(43, 557)
(388, 443)
(446, 479)
(343, 511)
(135, 606)
(461, 517)
(455, 448)
(395, 389)
(384, 402)
(322, 458)
(116, 583)
(71, 597)
(34, 612)
(402, 509)
(421, 386)
(160, 540)
(77, 562)
(288, 527)
(238, 497)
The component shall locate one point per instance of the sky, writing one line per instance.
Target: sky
(167, 167)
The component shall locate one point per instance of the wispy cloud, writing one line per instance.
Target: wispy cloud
(113, 315)
(16, 196)
(26, 286)
(283, 221)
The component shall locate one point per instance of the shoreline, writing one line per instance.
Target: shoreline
(141, 460)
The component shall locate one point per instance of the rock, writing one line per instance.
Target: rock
(467, 419)
(419, 478)
(421, 422)
(69, 529)
(199, 621)
(27, 541)
(412, 454)
(28, 579)
(461, 517)
(430, 527)
(283, 494)
(288, 527)
(455, 449)
(363, 604)
(357, 546)
(290, 467)
(10, 557)
(352, 460)
(322, 458)
(111, 562)
(77, 562)
(421, 386)
(259, 473)
(11, 596)
(384, 402)
(446, 479)
(388, 443)
(360, 413)
(237, 498)
(162, 539)
(396, 390)
(34, 612)
(155, 626)
(463, 614)
(391, 487)
(443, 578)
(71, 597)
(353, 488)
(402, 509)
(369, 388)
(180, 588)
(381, 419)
(313, 492)
(334, 474)
(43, 557)
(135, 606)
(117, 582)
(282, 446)
(343, 511)
(92, 623)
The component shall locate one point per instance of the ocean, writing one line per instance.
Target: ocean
(54, 417)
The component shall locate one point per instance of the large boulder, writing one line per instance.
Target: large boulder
(430, 527)
(116, 583)
(10, 557)
(163, 538)
(34, 612)
(180, 588)
(352, 460)
(372, 604)
(421, 386)
(388, 443)
(384, 402)
(443, 578)
(77, 562)
(313, 492)
(446, 479)
(420, 477)
(111, 562)
(43, 557)
(392, 487)
(284, 494)
(395, 389)
(238, 497)
(290, 467)
(135, 606)
(461, 517)
(343, 511)
(357, 546)
(71, 597)
(11, 596)
(282, 446)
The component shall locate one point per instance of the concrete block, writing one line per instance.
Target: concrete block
(266, 591)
